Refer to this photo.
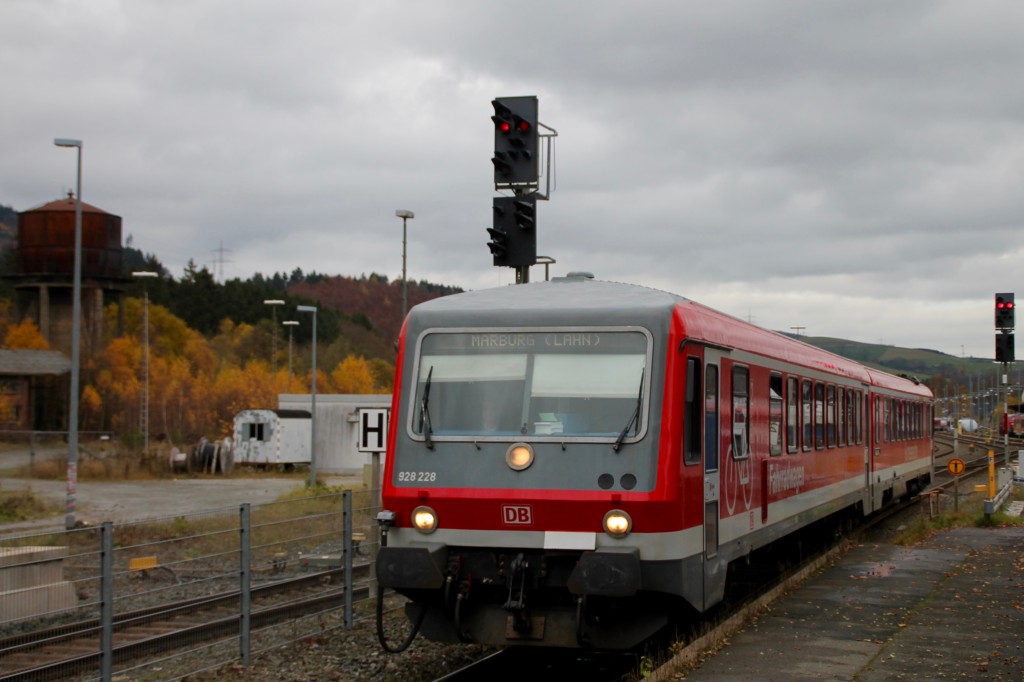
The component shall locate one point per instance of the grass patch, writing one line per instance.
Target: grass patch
(120, 466)
(971, 513)
(23, 505)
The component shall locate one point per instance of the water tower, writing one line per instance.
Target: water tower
(44, 276)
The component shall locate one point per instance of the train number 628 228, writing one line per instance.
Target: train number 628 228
(417, 476)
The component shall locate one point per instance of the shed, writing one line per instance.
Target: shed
(337, 428)
(272, 437)
(33, 393)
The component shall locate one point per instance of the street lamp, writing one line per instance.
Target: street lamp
(404, 215)
(76, 317)
(290, 324)
(144, 411)
(273, 303)
(312, 423)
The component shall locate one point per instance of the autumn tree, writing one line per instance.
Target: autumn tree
(25, 336)
(353, 375)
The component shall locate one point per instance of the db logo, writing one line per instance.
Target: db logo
(517, 514)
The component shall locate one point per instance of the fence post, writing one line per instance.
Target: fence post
(106, 601)
(346, 529)
(245, 584)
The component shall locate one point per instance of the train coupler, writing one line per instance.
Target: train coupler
(516, 602)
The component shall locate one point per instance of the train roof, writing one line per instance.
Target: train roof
(580, 300)
(572, 299)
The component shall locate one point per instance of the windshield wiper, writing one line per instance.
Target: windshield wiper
(634, 419)
(425, 426)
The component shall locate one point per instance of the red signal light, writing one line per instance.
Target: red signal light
(523, 126)
(504, 126)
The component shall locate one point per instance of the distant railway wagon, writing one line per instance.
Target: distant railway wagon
(572, 463)
(272, 437)
(1012, 424)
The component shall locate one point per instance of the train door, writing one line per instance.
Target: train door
(714, 566)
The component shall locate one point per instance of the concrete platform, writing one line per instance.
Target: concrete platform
(951, 607)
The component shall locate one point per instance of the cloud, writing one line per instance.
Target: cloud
(853, 169)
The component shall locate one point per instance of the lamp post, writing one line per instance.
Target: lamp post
(404, 215)
(290, 324)
(273, 303)
(144, 410)
(76, 317)
(312, 423)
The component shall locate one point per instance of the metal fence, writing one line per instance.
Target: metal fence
(158, 600)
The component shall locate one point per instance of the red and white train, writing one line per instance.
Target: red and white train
(575, 462)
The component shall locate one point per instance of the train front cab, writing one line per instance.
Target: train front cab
(528, 553)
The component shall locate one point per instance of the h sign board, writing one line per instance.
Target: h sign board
(373, 430)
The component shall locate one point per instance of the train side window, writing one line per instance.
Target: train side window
(888, 419)
(857, 416)
(692, 412)
(740, 412)
(841, 414)
(805, 414)
(879, 419)
(711, 418)
(775, 414)
(830, 415)
(792, 415)
(819, 415)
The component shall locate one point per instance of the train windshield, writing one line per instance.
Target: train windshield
(580, 385)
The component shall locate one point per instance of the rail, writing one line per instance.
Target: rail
(175, 596)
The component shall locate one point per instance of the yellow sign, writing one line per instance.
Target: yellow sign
(956, 466)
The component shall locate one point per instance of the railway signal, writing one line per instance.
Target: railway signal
(1004, 347)
(513, 237)
(516, 142)
(1004, 311)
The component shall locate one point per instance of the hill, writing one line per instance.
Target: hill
(919, 362)
(372, 304)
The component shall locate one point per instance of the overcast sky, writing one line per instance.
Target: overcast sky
(853, 168)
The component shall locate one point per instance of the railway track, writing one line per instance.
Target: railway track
(70, 649)
(973, 450)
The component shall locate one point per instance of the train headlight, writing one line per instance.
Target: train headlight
(617, 523)
(519, 456)
(424, 520)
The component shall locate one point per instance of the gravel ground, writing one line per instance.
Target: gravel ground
(353, 655)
